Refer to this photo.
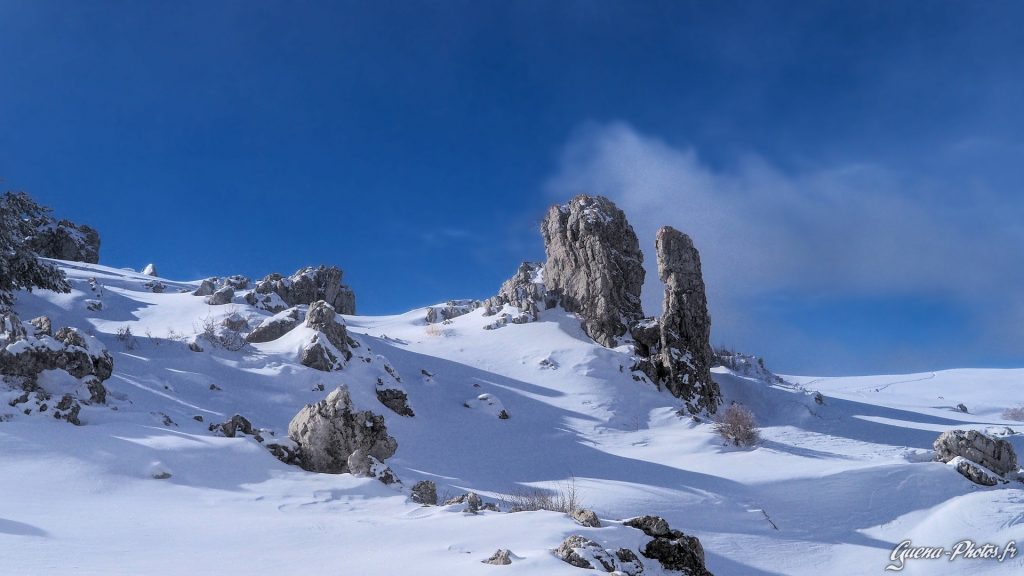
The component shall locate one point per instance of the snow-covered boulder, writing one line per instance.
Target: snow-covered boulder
(583, 552)
(993, 454)
(329, 431)
(673, 549)
(206, 288)
(150, 270)
(365, 466)
(501, 557)
(328, 349)
(222, 296)
(586, 517)
(276, 326)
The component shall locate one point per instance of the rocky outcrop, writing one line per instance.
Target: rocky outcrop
(206, 288)
(365, 466)
(525, 290)
(234, 426)
(150, 270)
(396, 400)
(64, 240)
(582, 552)
(306, 286)
(594, 266)
(27, 349)
(276, 326)
(671, 548)
(976, 455)
(674, 350)
(329, 348)
(451, 309)
(424, 492)
(329, 431)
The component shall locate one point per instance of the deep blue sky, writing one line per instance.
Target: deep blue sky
(417, 145)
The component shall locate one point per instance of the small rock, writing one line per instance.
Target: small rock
(500, 558)
(424, 492)
(586, 517)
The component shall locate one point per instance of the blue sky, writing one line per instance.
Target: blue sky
(850, 171)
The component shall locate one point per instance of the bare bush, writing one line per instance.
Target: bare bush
(1016, 413)
(565, 498)
(213, 332)
(125, 337)
(738, 426)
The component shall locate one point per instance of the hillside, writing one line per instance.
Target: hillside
(837, 484)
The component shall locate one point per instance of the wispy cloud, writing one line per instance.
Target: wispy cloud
(848, 231)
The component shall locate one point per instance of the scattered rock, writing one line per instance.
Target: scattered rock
(233, 426)
(395, 399)
(594, 266)
(329, 431)
(994, 454)
(451, 309)
(501, 557)
(424, 492)
(582, 552)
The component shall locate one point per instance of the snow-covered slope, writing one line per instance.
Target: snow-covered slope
(831, 488)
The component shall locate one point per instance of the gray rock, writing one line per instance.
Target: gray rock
(43, 326)
(684, 554)
(683, 354)
(64, 240)
(235, 322)
(594, 266)
(365, 466)
(237, 281)
(501, 557)
(975, 472)
(222, 296)
(424, 492)
(395, 399)
(582, 552)
(586, 517)
(68, 409)
(150, 270)
(235, 425)
(653, 526)
(306, 286)
(276, 326)
(451, 309)
(995, 454)
(318, 354)
(206, 288)
(329, 431)
(322, 317)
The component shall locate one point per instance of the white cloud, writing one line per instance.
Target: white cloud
(835, 232)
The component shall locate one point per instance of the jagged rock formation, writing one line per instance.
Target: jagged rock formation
(28, 349)
(329, 348)
(746, 365)
(64, 240)
(329, 431)
(674, 350)
(978, 456)
(275, 292)
(451, 309)
(150, 270)
(582, 552)
(594, 266)
(525, 290)
(673, 549)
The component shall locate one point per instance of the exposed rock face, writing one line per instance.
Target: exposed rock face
(451, 309)
(306, 286)
(329, 431)
(329, 349)
(65, 240)
(525, 290)
(582, 552)
(594, 266)
(276, 326)
(685, 350)
(994, 454)
(395, 399)
(222, 296)
(26, 351)
(424, 492)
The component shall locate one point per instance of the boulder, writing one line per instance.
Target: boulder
(424, 492)
(582, 552)
(594, 266)
(206, 288)
(235, 425)
(653, 526)
(365, 466)
(276, 326)
(236, 281)
(395, 399)
(150, 270)
(684, 554)
(329, 431)
(586, 517)
(222, 296)
(64, 240)
(235, 322)
(975, 472)
(501, 557)
(995, 454)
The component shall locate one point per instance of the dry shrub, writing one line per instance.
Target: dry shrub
(738, 426)
(566, 499)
